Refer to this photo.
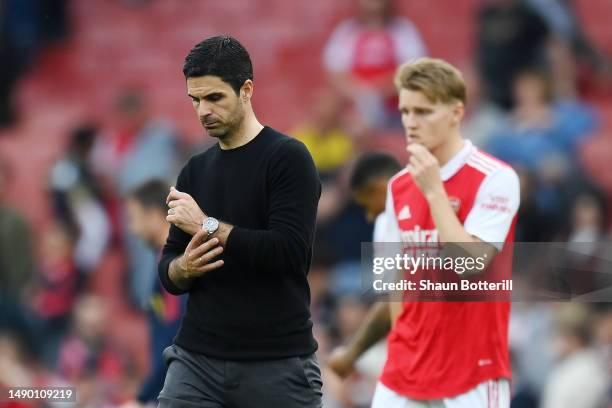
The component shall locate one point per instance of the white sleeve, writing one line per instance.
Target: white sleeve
(380, 228)
(338, 51)
(387, 229)
(408, 41)
(387, 237)
(495, 206)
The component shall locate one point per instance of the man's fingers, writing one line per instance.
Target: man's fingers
(418, 153)
(176, 203)
(214, 265)
(195, 240)
(414, 166)
(416, 148)
(421, 155)
(416, 161)
(176, 195)
(209, 267)
(173, 219)
(207, 257)
(205, 248)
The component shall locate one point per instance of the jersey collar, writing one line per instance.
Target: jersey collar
(457, 161)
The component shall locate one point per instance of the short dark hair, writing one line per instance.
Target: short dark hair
(221, 56)
(151, 194)
(371, 166)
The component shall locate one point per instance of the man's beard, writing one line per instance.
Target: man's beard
(225, 130)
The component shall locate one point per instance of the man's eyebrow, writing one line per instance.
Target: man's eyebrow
(207, 95)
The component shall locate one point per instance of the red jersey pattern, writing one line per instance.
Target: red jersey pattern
(443, 349)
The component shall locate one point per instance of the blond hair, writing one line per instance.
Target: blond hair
(438, 80)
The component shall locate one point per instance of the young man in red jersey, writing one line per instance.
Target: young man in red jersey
(447, 354)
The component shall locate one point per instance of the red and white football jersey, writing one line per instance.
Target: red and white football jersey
(443, 349)
(369, 53)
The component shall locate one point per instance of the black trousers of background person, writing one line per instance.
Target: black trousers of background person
(195, 380)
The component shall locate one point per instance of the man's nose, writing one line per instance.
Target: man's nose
(410, 121)
(204, 110)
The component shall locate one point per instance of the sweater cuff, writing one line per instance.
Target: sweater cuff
(167, 283)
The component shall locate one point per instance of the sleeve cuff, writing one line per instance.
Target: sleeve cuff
(166, 281)
(488, 238)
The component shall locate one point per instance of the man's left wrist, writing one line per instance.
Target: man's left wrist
(197, 225)
(210, 225)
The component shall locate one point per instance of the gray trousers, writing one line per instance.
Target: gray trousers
(194, 380)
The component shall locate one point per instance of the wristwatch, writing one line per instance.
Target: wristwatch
(210, 225)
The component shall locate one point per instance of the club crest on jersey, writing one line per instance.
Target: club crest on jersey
(455, 203)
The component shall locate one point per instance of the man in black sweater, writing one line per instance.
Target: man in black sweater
(243, 220)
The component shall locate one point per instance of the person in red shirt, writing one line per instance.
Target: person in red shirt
(447, 354)
(362, 55)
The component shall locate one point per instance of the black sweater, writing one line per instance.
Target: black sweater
(256, 306)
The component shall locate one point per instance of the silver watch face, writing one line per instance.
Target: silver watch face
(210, 225)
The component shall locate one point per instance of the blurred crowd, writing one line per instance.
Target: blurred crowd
(528, 86)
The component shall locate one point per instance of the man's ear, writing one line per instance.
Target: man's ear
(246, 91)
(458, 113)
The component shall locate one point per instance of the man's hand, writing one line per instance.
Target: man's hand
(425, 170)
(198, 254)
(196, 260)
(184, 212)
(341, 362)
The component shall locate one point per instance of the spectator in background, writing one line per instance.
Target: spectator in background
(564, 22)
(530, 336)
(482, 116)
(88, 360)
(369, 180)
(147, 210)
(9, 72)
(25, 27)
(364, 351)
(533, 224)
(602, 336)
(54, 290)
(579, 380)
(325, 135)
(589, 217)
(139, 140)
(18, 42)
(78, 201)
(358, 389)
(141, 149)
(16, 257)
(54, 20)
(19, 368)
(510, 38)
(584, 263)
(361, 57)
(542, 136)
(16, 260)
